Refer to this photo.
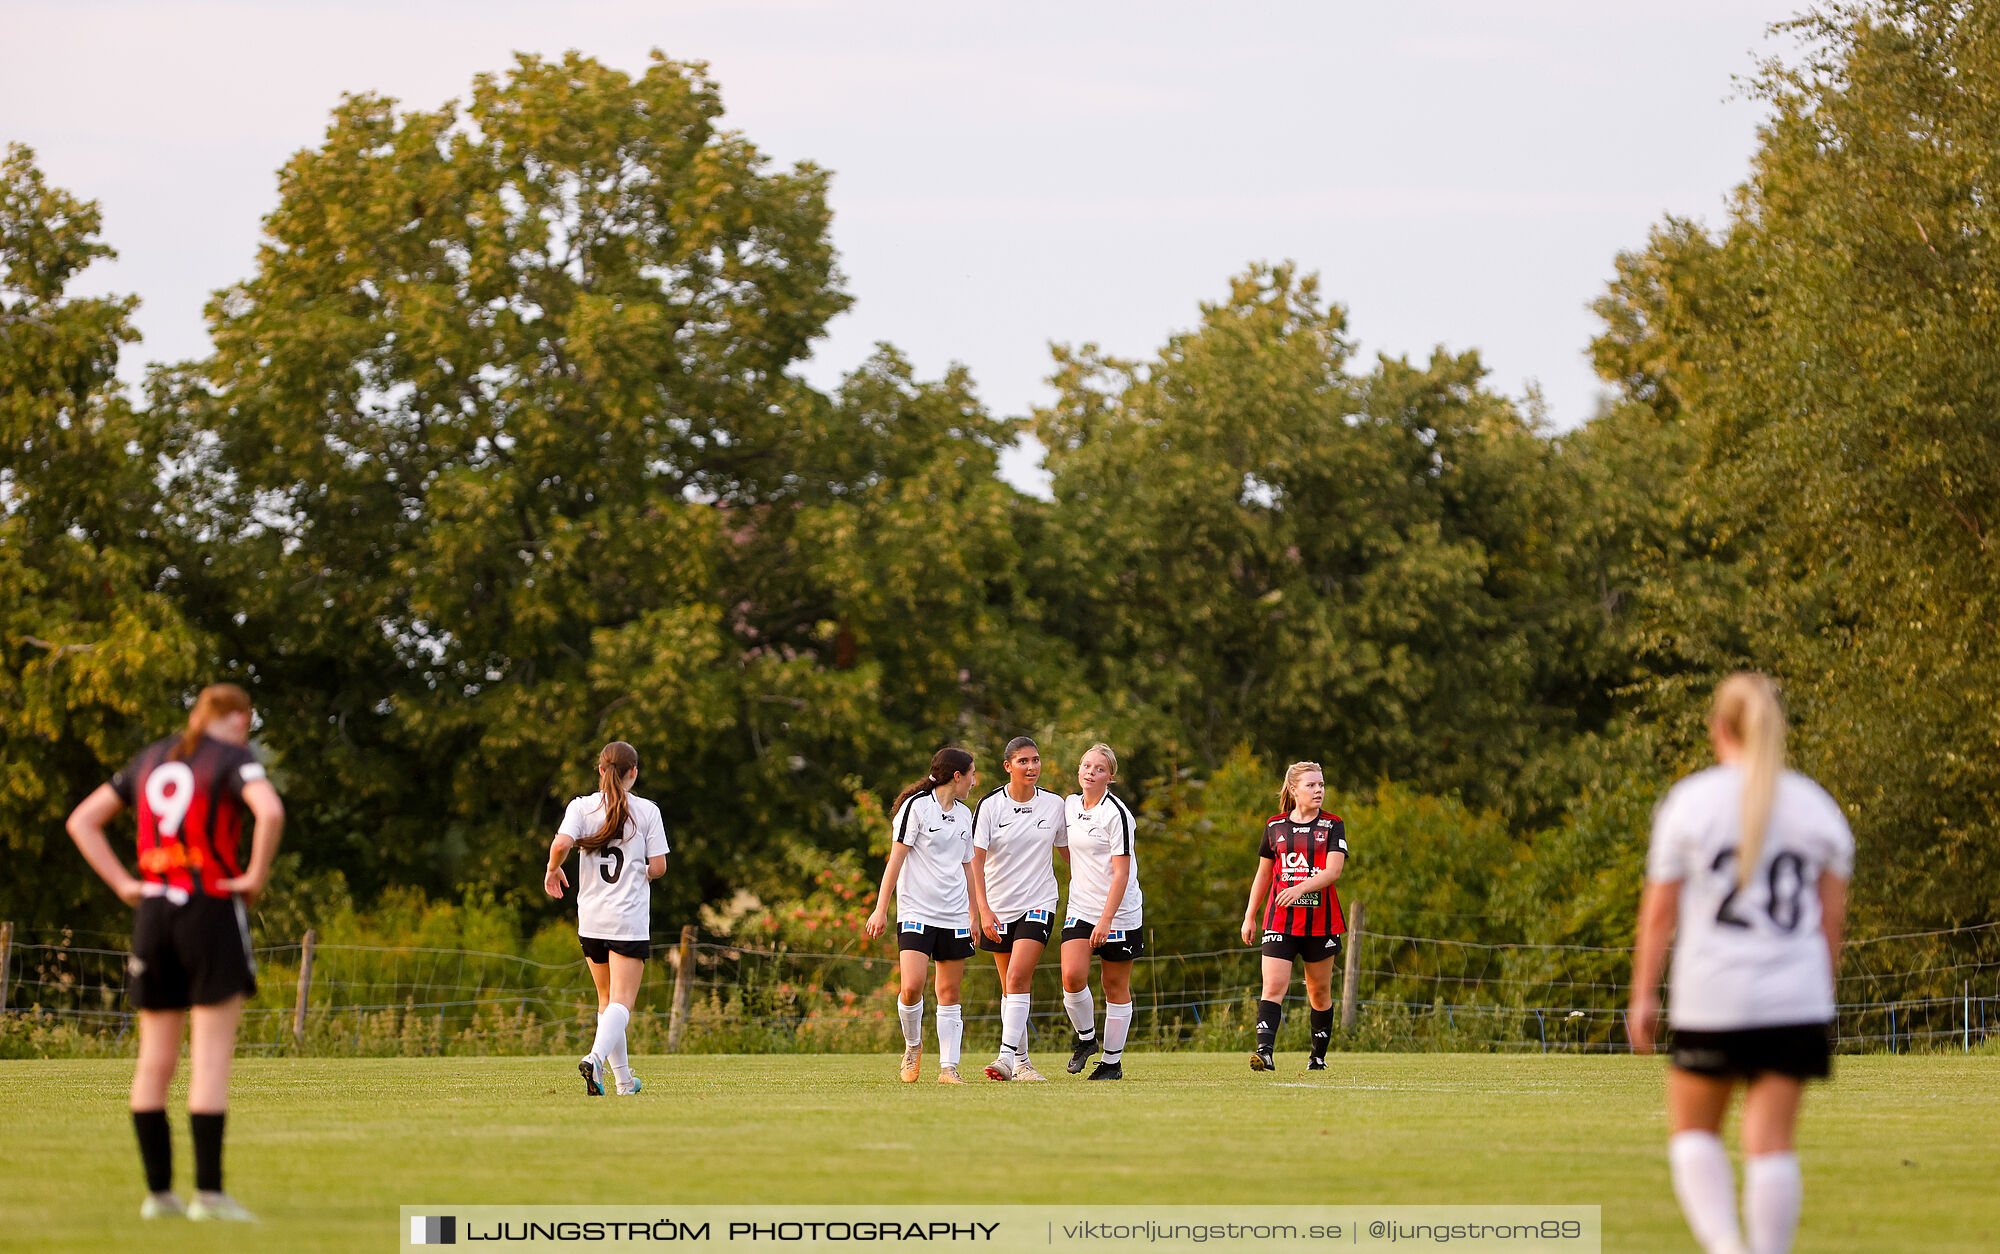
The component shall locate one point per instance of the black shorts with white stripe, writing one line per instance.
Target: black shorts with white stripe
(1122, 945)
(1035, 925)
(942, 944)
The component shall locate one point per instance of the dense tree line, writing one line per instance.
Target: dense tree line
(502, 452)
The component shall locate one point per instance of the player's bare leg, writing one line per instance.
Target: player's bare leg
(1076, 1001)
(1703, 1179)
(211, 1052)
(1319, 996)
(1277, 977)
(912, 966)
(947, 979)
(1773, 1189)
(160, 1034)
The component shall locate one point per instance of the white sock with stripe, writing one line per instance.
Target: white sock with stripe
(1014, 1025)
(951, 1031)
(1772, 1191)
(912, 1017)
(1117, 1022)
(1082, 1013)
(1706, 1187)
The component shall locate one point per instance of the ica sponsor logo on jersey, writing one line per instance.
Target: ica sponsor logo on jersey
(1295, 861)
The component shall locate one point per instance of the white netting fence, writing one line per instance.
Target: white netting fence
(1922, 990)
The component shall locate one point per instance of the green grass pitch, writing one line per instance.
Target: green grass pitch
(1899, 1153)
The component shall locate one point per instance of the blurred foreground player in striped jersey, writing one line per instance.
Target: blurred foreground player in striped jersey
(192, 794)
(1294, 907)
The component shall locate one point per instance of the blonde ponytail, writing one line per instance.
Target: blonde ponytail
(1748, 710)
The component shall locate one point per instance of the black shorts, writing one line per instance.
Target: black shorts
(1308, 948)
(193, 954)
(942, 944)
(1032, 926)
(1123, 945)
(1803, 1051)
(600, 951)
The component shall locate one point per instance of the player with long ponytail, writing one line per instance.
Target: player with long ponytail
(1747, 879)
(191, 955)
(930, 875)
(621, 843)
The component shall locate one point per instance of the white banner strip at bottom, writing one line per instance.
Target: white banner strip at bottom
(995, 1229)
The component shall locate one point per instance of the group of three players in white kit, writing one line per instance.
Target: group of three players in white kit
(985, 877)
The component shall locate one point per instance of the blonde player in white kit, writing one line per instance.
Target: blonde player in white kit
(1747, 876)
(930, 874)
(621, 845)
(1106, 911)
(1014, 893)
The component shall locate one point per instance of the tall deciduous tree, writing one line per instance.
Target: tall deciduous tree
(92, 656)
(1830, 350)
(483, 444)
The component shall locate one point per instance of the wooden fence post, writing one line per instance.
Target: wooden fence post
(1350, 976)
(305, 984)
(6, 956)
(683, 976)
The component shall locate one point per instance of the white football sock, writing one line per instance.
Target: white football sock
(1014, 1025)
(913, 1022)
(1117, 1021)
(950, 1030)
(1772, 1189)
(1706, 1187)
(1082, 1013)
(610, 1040)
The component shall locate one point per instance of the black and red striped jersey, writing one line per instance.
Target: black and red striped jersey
(1299, 851)
(192, 819)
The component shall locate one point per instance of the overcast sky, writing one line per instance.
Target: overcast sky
(1459, 173)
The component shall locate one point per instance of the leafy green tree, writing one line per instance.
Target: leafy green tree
(1259, 546)
(470, 474)
(1829, 351)
(93, 657)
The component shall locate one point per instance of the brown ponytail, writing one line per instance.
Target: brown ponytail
(945, 763)
(216, 701)
(616, 760)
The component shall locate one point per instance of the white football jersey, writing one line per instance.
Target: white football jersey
(1096, 836)
(931, 888)
(613, 895)
(1753, 956)
(1020, 838)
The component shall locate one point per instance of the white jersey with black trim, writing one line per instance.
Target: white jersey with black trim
(1096, 835)
(1753, 956)
(613, 894)
(1020, 839)
(931, 887)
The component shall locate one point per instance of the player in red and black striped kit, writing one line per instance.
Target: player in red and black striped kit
(1294, 907)
(194, 795)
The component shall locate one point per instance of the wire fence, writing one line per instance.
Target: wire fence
(63, 994)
